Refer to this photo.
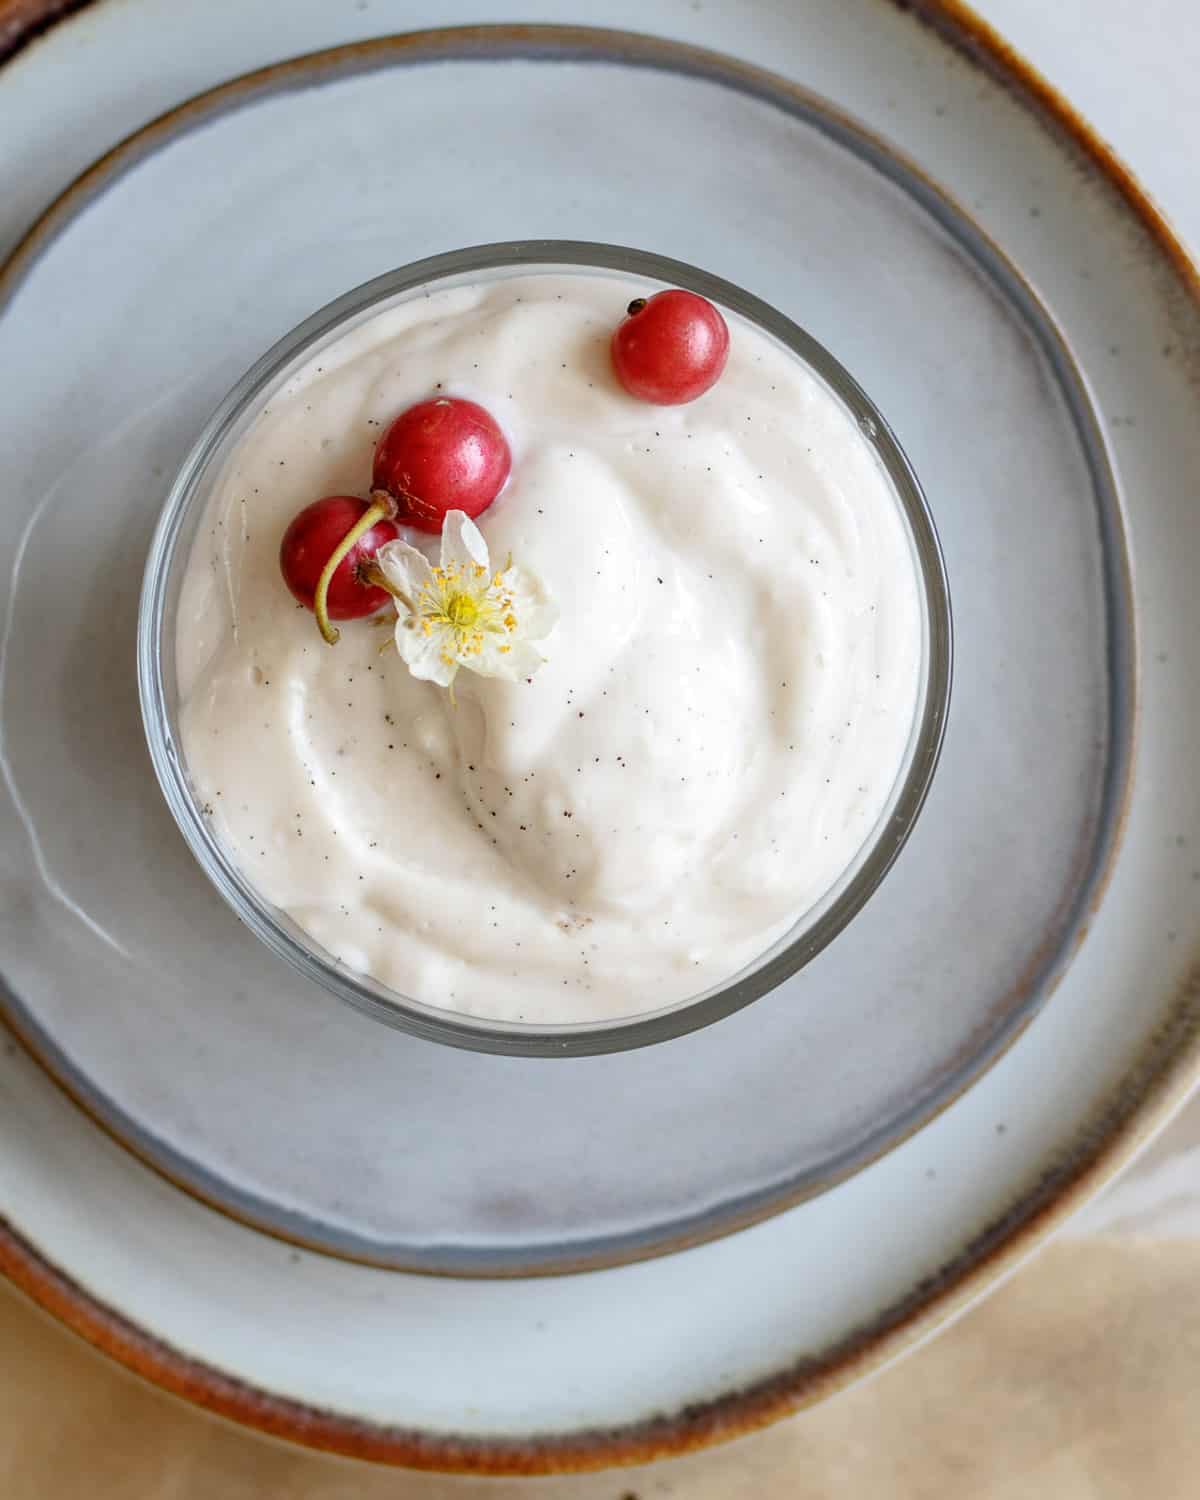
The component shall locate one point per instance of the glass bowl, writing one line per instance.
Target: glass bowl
(185, 507)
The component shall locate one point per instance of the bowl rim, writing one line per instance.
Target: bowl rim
(575, 1039)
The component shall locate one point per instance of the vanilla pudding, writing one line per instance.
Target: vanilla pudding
(725, 704)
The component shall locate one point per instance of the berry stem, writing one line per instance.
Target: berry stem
(381, 508)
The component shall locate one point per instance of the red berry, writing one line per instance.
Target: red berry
(440, 455)
(671, 348)
(309, 543)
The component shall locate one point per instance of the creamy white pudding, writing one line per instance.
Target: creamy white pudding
(726, 701)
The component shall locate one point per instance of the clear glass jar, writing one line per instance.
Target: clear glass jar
(185, 508)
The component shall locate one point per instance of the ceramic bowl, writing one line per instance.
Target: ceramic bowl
(186, 505)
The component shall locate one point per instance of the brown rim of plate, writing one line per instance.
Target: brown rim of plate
(22, 20)
(1155, 1084)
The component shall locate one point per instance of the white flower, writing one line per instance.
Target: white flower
(460, 613)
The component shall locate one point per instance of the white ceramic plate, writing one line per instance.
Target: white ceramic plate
(616, 1363)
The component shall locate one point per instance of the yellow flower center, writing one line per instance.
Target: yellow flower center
(469, 606)
(462, 611)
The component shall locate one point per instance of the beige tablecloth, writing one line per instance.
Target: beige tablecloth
(1079, 1380)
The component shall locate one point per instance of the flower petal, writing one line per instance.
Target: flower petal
(405, 568)
(521, 660)
(536, 612)
(463, 546)
(424, 652)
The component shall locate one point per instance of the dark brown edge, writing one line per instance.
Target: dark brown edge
(23, 20)
(1157, 1084)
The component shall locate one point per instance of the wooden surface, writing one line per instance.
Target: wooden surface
(1077, 1381)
